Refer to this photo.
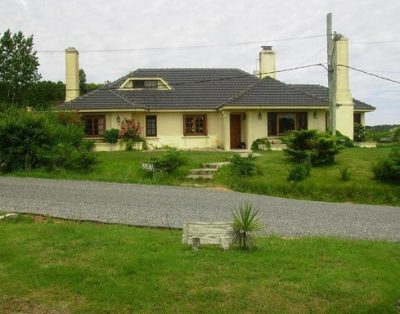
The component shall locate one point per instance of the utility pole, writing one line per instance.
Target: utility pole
(332, 73)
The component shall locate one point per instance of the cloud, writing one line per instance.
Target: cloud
(102, 24)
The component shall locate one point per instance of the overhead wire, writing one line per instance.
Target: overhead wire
(183, 47)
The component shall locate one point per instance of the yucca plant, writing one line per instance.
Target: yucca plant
(245, 224)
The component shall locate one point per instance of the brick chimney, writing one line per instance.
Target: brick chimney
(267, 62)
(72, 74)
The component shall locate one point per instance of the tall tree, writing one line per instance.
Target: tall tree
(82, 82)
(18, 66)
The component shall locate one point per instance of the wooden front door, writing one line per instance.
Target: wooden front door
(235, 130)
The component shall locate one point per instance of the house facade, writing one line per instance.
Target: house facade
(212, 108)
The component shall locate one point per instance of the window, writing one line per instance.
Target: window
(272, 123)
(280, 123)
(195, 125)
(151, 125)
(146, 84)
(357, 118)
(286, 122)
(94, 125)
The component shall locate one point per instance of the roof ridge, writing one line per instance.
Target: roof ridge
(240, 93)
(122, 97)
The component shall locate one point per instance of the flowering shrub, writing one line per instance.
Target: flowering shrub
(130, 130)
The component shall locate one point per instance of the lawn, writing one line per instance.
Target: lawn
(324, 184)
(49, 265)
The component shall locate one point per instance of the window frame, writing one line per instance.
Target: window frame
(276, 118)
(92, 117)
(194, 116)
(155, 126)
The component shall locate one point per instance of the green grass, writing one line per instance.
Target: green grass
(61, 266)
(324, 184)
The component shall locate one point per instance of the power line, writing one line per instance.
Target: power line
(371, 74)
(183, 47)
(376, 42)
(245, 75)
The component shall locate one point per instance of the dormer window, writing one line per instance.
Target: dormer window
(145, 83)
(148, 84)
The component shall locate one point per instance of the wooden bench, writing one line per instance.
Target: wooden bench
(220, 233)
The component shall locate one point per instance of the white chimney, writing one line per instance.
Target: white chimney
(72, 74)
(344, 100)
(267, 62)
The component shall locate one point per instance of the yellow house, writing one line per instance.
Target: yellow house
(212, 108)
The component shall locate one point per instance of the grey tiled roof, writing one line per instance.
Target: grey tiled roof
(269, 91)
(201, 89)
(322, 93)
(191, 88)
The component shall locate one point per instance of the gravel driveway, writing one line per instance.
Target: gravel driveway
(166, 206)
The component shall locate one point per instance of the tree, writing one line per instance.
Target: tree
(18, 66)
(82, 82)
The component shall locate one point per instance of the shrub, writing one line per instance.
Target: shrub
(311, 146)
(343, 140)
(389, 169)
(31, 140)
(130, 130)
(111, 136)
(299, 172)
(68, 118)
(260, 142)
(168, 162)
(396, 136)
(245, 224)
(345, 174)
(360, 133)
(242, 166)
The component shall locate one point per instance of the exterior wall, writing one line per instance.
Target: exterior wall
(170, 130)
(345, 120)
(318, 123)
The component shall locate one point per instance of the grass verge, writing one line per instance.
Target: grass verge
(64, 266)
(324, 184)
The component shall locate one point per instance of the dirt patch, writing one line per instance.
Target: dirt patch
(23, 306)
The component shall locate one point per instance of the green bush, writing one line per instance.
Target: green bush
(360, 133)
(389, 169)
(242, 166)
(31, 140)
(168, 162)
(343, 140)
(111, 136)
(299, 172)
(260, 142)
(311, 146)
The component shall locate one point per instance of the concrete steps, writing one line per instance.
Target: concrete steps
(207, 171)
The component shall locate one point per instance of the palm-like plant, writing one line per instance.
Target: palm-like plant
(245, 224)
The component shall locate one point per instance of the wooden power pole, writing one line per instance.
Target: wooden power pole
(332, 73)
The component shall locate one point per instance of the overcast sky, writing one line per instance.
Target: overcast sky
(122, 24)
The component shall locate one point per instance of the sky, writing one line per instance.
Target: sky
(233, 30)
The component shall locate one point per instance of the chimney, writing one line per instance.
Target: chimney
(344, 100)
(72, 74)
(267, 62)
(343, 95)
